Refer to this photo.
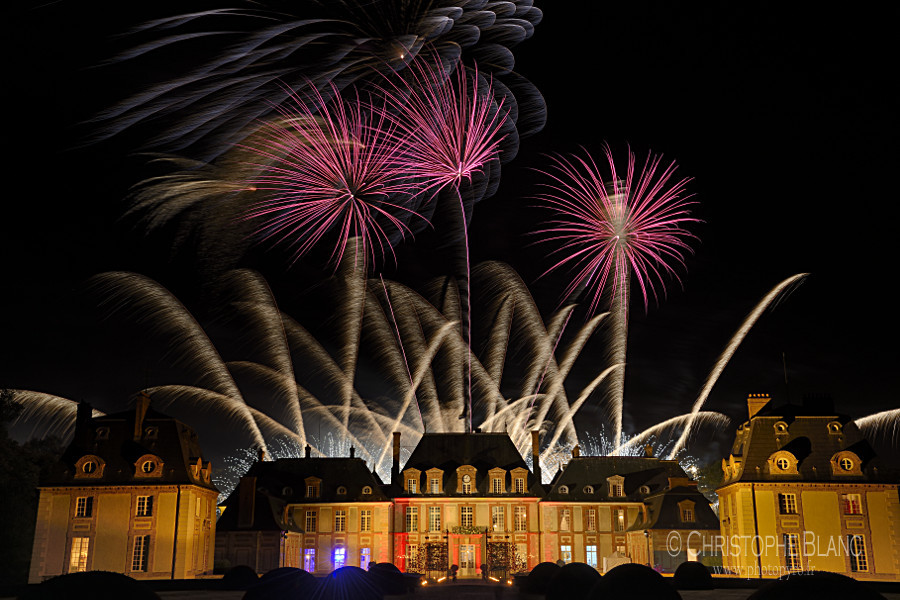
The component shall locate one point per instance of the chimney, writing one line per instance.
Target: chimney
(536, 454)
(260, 454)
(756, 402)
(395, 465)
(648, 451)
(140, 411)
(307, 452)
(246, 501)
(352, 452)
(83, 416)
(576, 451)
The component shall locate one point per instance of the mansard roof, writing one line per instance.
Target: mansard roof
(484, 451)
(664, 510)
(641, 477)
(812, 435)
(119, 445)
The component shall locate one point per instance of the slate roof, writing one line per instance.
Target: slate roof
(594, 471)
(663, 511)
(809, 440)
(174, 443)
(484, 451)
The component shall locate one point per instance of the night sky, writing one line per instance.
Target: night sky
(786, 119)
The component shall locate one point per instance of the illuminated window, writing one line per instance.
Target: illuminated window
(616, 489)
(412, 518)
(565, 553)
(309, 559)
(792, 551)
(467, 487)
(365, 557)
(856, 548)
(592, 519)
(312, 490)
(148, 466)
(411, 486)
(687, 514)
(140, 553)
(520, 485)
(846, 464)
(497, 485)
(782, 463)
(79, 555)
(852, 504)
(365, 520)
(434, 518)
(591, 556)
(312, 518)
(498, 518)
(787, 504)
(521, 518)
(466, 516)
(565, 519)
(144, 506)
(340, 521)
(340, 557)
(620, 519)
(435, 485)
(84, 506)
(412, 557)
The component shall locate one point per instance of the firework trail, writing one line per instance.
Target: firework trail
(882, 422)
(242, 55)
(612, 230)
(47, 414)
(453, 128)
(730, 349)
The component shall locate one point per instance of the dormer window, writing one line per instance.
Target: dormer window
(588, 489)
(783, 464)
(497, 485)
(313, 486)
(465, 479)
(686, 508)
(411, 486)
(520, 485)
(151, 433)
(563, 489)
(781, 427)
(435, 478)
(367, 491)
(148, 465)
(616, 486)
(341, 491)
(846, 464)
(89, 467)
(834, 427)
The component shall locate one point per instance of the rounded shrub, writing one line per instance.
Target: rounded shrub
(387, 578)
(635, 582)
(815, 584)
(284, 582)
(348, 582)
(240, 577)
(572, 582)
(692, 575)
(538, 580)
(91, 585)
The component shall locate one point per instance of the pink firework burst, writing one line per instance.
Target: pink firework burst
(331, 170)
(611, 229)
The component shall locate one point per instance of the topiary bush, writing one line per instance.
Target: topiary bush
(387, 578)
(815, 584)
(538, 579)
(240, 577)
(692, 575)
(284, 582)
(635, 582)
(572, 582)
(91, 585)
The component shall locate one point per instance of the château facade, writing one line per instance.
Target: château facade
(132, 494)
(804, 490)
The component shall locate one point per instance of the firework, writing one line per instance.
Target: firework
(612, 229)
(453, 127)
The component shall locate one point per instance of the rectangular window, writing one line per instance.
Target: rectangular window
(787, 504)
(311, 521)
(435, 485)
(687, 514)
(856, 547)
(84, 506)
(565, 554)
(592, 520)
(521, 518)
(466, 516)
(144, 506)
(365, 557)
(520, 485)
(78, 557)
(496, 485)
(340, 557)
(434, 518)
(620, 519)
(309, 560)
(852, 504)
(616, 489)
(412, 518)
(340, 521)
(591, 556)
(140, 554)
(365, 520)
(498, 518)
(312, 490)
(466, 488)
(565, 519)
(411, 485)
(792, 551)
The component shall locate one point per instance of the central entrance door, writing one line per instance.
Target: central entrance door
(467, 560)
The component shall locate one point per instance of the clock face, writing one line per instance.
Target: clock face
(467, 478)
